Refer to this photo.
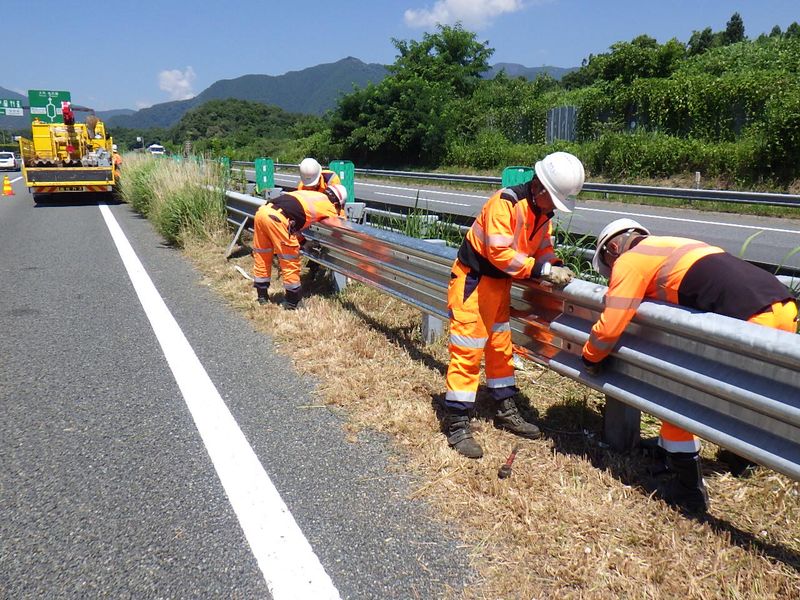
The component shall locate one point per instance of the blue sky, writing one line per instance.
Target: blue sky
(135, 53)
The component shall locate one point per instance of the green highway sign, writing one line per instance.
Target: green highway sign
(46, 105)
(12, 108)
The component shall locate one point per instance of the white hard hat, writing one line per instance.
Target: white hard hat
(340, 191)
(114, 147)
(610, 231)
(562, 175)
(310, 170)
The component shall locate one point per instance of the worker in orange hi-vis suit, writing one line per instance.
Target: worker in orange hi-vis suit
(692, 274)
(510, 239)
(314, 177)
(275, 229)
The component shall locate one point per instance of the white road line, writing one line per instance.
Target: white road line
(421, 200)
(16, 180)
(408, 189)
(699, 222)
(287, 561)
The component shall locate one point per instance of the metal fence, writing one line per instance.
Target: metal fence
(730, 382)
(561, 123)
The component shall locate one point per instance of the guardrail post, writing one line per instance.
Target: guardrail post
(432, 328)
(621, 425)
(339, 281)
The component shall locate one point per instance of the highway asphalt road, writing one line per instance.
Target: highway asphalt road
(154, 445)
(774, 245)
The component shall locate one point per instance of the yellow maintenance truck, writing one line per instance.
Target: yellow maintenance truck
(68, 157)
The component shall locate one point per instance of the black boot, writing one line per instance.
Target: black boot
(292, 299)
(459, 434)
(263, 295)
(508, 418)
(687, 489)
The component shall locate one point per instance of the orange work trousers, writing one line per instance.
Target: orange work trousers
(781, 315)
(271, 236)
(479, 324)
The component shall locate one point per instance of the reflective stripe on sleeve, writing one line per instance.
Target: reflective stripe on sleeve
(600, 345)
(498, 327)
(516, 263)
(500, 240)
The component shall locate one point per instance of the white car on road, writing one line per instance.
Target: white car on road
(7, 161)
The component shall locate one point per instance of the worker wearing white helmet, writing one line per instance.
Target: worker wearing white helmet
(692, 274)
(117, 158)
(510, 239)
(314, 177)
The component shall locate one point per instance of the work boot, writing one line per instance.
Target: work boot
(687, 489)
(508, 418)
(459, 435)
(292, 299)
(263, 295)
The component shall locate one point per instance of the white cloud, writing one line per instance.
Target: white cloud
(140, 104)
(472, 13)
(177, 83)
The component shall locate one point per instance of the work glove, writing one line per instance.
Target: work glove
(558, 276)
(593, 368)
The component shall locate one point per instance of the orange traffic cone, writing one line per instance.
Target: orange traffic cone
(7, 189)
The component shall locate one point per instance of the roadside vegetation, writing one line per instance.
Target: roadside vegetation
(174, 196)
(574, 520)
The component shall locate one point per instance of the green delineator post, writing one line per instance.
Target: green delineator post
(516, 175)
(265, 174)
(46, 105)
(347, 173)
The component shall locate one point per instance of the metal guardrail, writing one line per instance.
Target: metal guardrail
(730, 382)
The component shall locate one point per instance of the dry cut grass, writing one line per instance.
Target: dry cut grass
(574, 520)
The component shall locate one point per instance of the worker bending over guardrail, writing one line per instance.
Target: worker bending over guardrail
(692, 274)
(275, 228)
(510, 239)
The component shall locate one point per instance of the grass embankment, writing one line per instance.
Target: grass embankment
(574, 520)
(173, 195)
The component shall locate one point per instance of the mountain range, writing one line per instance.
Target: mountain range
(314, 90)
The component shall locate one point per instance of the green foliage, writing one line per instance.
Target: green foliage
(136, 187)
(407, 116)
(627, 61)
(452, 58)
(174, 196)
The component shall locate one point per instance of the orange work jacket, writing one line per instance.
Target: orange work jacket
(679, 271)
(510, 236)
(305, 207)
